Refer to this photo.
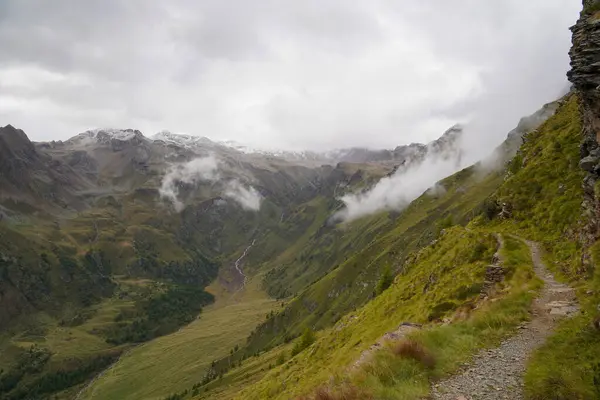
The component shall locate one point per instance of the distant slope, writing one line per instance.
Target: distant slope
(93, 261)
(332, 269)
(364, 249)
(158, 368)
(539, 196)
(80, 220)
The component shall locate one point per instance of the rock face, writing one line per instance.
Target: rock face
(29, 176)
(16, 154)
(15, 143)
(585, 76)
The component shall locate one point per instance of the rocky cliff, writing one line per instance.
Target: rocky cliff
(585, 76)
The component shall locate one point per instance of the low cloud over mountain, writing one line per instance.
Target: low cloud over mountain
(206, 169)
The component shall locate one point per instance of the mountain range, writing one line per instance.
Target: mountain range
(176, 267)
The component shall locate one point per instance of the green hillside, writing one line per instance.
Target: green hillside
(442, 282)
(128, 270)
(138, 276)
(171, 266)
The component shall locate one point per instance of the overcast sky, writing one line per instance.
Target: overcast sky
(315, 74)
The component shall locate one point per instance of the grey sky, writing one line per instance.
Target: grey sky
(313, 74)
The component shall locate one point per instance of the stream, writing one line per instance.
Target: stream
(239, 260)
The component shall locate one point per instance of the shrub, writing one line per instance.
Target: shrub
(491, 208)
(307, 338)
(445, 223)
(385, 281)
(280, 358)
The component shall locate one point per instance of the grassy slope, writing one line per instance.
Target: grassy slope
(466, 192)
(456, 266)
(393, 376)
(544, 191)
(164, 365)
(339, 346)
(127, 236)
(364, 249)
(250, 372)
(546, 194)
(71, 347)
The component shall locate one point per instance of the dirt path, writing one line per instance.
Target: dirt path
(498, 373)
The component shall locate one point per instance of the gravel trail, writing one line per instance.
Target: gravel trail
(498, 373)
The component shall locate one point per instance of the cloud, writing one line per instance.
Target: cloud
(397, 191)
(312, 74)
(199, 169)
(247, 197)
(206, 169)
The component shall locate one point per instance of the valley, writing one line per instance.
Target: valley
(175, 267)
(187, 354)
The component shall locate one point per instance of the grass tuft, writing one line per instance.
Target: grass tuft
(411, 349)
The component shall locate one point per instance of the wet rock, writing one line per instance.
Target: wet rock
(585, 76)
(589, 163)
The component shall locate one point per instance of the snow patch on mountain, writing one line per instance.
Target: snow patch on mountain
(106, 135)
(182, 140)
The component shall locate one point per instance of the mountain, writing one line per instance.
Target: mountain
(124, 232)
(73, 174)
(357, 155)
(32, 180)
(94, 220)
(112, 239)
(108, 208)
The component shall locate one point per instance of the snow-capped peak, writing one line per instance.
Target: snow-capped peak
(105, 135)
(181, 139)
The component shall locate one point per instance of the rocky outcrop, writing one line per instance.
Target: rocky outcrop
(17, 154)
(585, 76)
(494, 273)
(15, 143)
(31, 180)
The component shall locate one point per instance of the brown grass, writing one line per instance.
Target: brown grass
(409, 348)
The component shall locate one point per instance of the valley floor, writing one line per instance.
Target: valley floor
(169, 363)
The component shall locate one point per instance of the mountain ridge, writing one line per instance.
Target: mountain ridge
(112, 239)
(351, 154)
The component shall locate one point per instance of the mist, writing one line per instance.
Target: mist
(199, 169)
(206, 169)
(309, 75)
(471, 148)
(247, 197)
(397, 191)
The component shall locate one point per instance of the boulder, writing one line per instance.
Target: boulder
(589, 163)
